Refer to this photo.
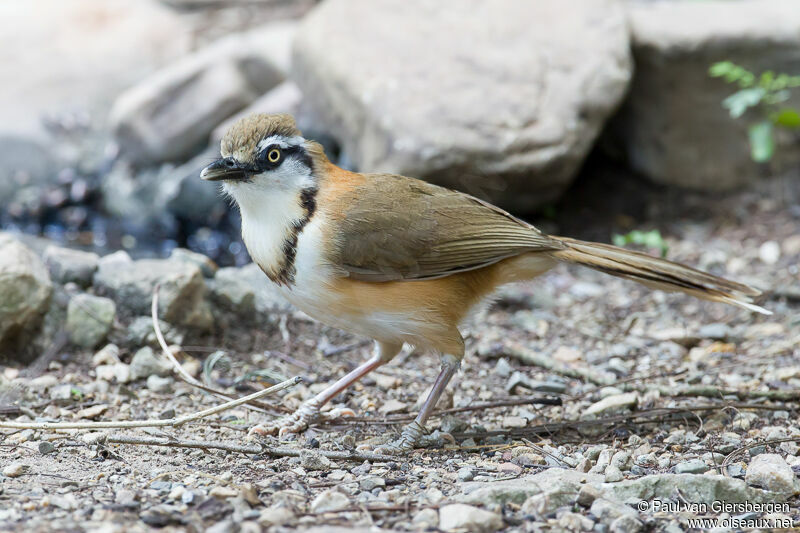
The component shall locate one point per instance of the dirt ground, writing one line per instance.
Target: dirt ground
(694, 388)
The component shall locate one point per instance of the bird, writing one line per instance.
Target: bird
(397, 259)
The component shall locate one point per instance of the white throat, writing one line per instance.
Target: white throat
(271, 207)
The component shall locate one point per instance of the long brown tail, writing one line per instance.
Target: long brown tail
(657, 273)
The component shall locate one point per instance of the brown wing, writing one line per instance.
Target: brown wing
(398, 228)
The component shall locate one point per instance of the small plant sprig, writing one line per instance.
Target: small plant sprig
(765, 93)
(648, 239)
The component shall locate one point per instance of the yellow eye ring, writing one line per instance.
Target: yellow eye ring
(274, 155)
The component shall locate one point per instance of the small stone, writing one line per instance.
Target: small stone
(566, 354)
(67, 265)
(509, 469)
(769, 252)
(329, 500)
(15, 469)
(459, 516)
(92, 412)
(43, 382)
(771, 472)
(311, 460)
(223, 493)
(588, 494)
(125, 498)
(46, 447)
(717, 332)
(609, 404)
(452, 424)
(145, 363)
(107, 355)
(64, 392)
(89, 319)
(176, 493)
(371, 483)
(159, 384)
(392, 406)
(276, 516)
(466, 474)
(502, 368)
(547, 502)
(514, 422)
(206, 265)
(694, 466)
(613, 474)
(385, 382)
(426, 519)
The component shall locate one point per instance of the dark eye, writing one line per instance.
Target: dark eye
(274, 155)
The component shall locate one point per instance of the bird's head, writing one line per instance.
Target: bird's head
(265, 153)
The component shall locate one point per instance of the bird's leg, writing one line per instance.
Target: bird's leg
(308, 412)
(414, 431)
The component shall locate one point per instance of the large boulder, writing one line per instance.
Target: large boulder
(25, 290)
(500, 98)
(182, 291)
(170, 114)
(672, 127)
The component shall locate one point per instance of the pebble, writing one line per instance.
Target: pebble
(145, 363)
(15, 469)
(329, 500)
(223, 493)
(158, 384)
(371, 483)
(276, 516)
(694, 466)
(466, 474)
(459, 516)
(769, 252)
(771, 472)
(613, 403)
(426, 519)
(46, 447)
(392, 406)
(311, 460)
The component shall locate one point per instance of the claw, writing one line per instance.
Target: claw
(407, 441)
(296, 422)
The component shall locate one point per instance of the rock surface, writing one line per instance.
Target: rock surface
(672, 127)
(181, 294)
(89, 319)
(462, 517)
(68, 265)
(25, 290)
(417, 101)
(770, 472)
(168, 115)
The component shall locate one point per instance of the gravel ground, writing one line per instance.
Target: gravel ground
(663, 399)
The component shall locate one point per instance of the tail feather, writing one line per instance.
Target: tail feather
(658, 273)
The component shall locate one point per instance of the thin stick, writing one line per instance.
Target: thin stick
(540, 400)
(238, 448)
(174, 422)
(529, 357)
(182, 374)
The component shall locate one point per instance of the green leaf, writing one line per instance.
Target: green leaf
(619, 240)
(721, 68)
(788, 118)
(741, 101)
(762, 145)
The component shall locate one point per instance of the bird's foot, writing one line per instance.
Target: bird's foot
(408, 439)
(297, 422)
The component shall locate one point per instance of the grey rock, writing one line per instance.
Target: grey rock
(694, 466)
(613, 403)
(46, 447)
(140, 331)
(145, 363)
(329, 500)
(371, 483)
(411, 102)
(717, 331)
(694, 487)
(67, 265)
(520, 489)
(626, 524)
(466, 473)
(206, 265)
(426, 518)
(158, 384)
(547, 502)
(64, 391)
(462, 517)
(245, 291)
(25, 290)
(89, 319)
(609, 510)
(167, 116)
(181, 294)
(311, 460)
(679, 134)
(771, 472)
(452, 424)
